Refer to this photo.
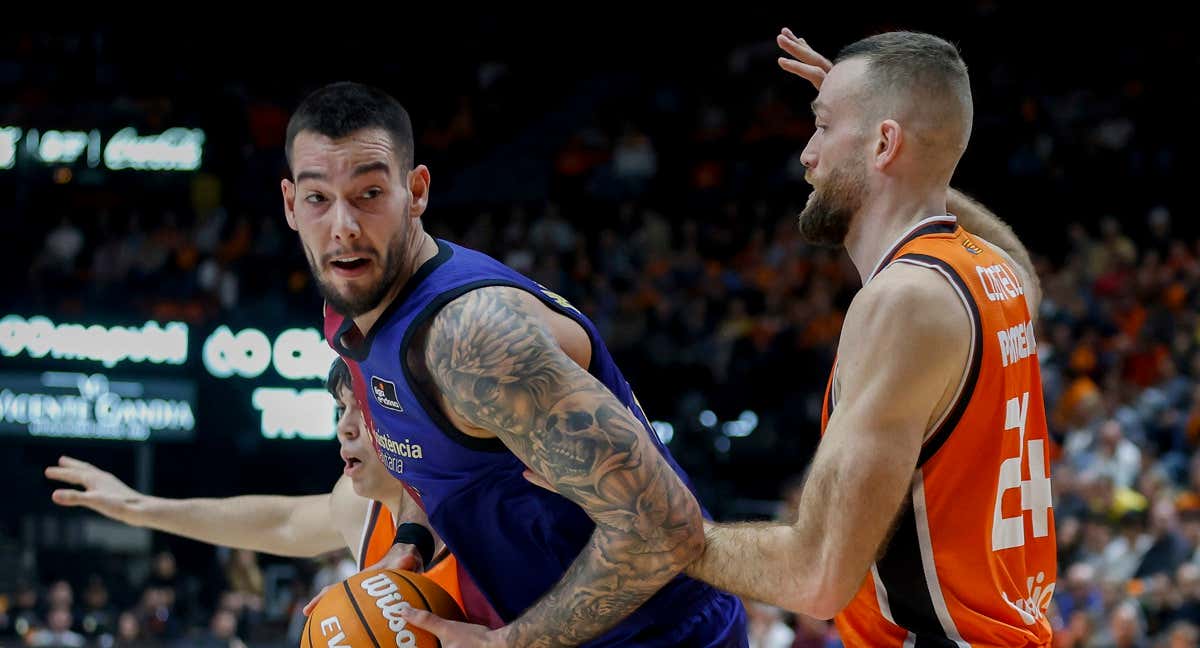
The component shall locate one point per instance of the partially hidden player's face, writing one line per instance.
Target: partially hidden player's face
(356, 210)
(367, 474)
(836, 157)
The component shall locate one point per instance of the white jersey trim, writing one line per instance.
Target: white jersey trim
(962, 383)
(373, 513)
(927, 564)
(891, 249)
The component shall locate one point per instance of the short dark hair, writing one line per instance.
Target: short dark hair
(339, 378)
(914, 62)
(342, 108)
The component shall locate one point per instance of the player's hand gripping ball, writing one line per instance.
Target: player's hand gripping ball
(364, 612)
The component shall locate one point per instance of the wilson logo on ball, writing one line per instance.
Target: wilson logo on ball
(388, 599)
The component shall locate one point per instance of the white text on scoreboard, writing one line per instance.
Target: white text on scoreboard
(175, 149)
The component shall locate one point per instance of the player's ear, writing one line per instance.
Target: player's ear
(889, 139)
(289, 201)
(418, 188)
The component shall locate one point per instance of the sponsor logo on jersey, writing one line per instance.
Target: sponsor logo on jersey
(1032, 607)
(971, 247)
(385, 393)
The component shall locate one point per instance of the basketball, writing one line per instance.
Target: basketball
(364, 611)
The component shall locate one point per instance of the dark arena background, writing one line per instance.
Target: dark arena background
(158, 319)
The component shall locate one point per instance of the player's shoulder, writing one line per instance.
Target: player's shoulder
(908, 291)
(907, 324)
(905, 308)
(487, 309)
(345, 505)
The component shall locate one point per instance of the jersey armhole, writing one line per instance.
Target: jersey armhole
(941, 430)
(432, 408)
(368, 531)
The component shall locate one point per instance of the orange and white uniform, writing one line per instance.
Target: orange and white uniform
(379, 532)
(972, 558)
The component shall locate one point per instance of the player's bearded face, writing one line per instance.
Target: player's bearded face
(834, 201)
(353, 298)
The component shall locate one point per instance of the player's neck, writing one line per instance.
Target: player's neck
(394, 504)
(883, 220)
(422, 249)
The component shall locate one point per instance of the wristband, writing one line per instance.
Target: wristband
(418, 536)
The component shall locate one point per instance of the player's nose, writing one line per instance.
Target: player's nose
(345, 223)
(347, 428)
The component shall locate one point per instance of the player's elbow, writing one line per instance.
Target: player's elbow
(683, 542)
(823, 606)
(285, 540)
(691, 545)
(307, 550)
(297, 540)
(825, 594)
(657, 553)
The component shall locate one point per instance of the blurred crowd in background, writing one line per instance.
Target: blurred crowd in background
(663, 206)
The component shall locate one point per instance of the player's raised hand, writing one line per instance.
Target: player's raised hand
(100, 491)
(806, 63)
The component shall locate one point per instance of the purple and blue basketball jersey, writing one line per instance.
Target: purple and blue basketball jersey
(514, 540)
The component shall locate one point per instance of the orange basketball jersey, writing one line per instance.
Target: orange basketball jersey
(379, 531)
(972, 559)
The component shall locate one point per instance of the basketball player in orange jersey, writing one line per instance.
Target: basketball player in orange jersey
(926, 517)
(362, 512)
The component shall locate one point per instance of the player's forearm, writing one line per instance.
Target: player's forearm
(257, 522)
(648, 529)
(798, 567)
(756, 560)
(610, 579)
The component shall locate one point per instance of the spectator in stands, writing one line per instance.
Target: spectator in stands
(98, 615)
(23, 614)
(1125, 629)
(57, 633)
(1115, 456)
(766, 626)
(222, 633)
(61, 595)
(1168, 549)
(1081, 592)
(1182, 635)
(130, 633)
(245, 582)
(157, 616)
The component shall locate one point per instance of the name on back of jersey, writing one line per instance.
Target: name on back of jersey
(1017, 343)
(1000, 283)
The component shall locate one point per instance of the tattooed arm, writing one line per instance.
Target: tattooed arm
(499, 369)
